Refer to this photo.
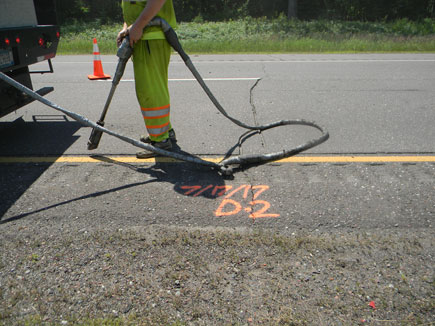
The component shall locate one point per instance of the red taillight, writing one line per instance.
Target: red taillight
(18, 40)
(7, 42)
(41, 42)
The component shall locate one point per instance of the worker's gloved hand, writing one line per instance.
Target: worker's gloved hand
(121, 35)
(135, 32)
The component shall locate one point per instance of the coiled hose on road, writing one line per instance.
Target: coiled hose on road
(225, 165)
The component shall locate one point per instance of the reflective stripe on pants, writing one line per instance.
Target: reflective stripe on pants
(150, 63)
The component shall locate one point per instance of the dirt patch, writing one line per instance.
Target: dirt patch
(178, 276)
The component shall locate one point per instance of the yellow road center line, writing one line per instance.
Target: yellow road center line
(295, 159)
(358, 159)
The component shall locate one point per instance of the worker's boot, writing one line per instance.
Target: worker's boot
(146, 139)
(166, 145)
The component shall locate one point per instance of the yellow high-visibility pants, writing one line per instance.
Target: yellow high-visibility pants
(150, 62)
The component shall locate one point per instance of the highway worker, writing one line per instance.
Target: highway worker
(151, 54)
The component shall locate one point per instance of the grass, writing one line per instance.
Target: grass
(115, 321)
(278, 35)
(184, 276)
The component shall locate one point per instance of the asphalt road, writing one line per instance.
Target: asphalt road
(377, 170)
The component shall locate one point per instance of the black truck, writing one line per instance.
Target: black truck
(28, 34)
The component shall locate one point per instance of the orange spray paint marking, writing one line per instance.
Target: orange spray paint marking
(263, 188)
(237, 208)
(224, 190)
(230, 206)
(245, 193)
(203, 190)
(261, 212)
(192, 189)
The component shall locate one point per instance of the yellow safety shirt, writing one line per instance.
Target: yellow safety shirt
(132, 9)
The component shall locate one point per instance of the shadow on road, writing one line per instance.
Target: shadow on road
(93, 195)
(187, 179)
(51, 135)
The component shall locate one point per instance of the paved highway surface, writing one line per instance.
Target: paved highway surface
(377, 170)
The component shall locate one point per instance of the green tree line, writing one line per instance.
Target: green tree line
(219, 10)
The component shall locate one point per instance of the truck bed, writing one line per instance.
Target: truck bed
(17, 13)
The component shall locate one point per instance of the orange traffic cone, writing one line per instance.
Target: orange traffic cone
(98, 67)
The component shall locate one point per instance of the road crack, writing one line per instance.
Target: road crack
(252, 103)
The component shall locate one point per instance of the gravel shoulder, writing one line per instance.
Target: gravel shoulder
(160, 275)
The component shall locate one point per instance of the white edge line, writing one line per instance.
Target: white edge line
(269, 61)
(192, 79)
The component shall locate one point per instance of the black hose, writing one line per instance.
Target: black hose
(92, 124)
(225, 165)
(172, 39)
